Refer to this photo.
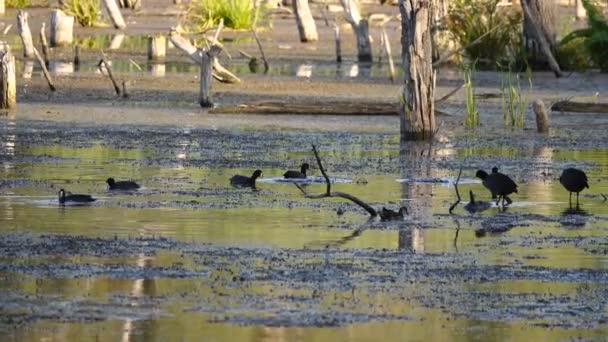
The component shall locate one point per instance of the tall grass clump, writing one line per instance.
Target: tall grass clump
(514, 101)
(594, 37)
(237, 14)
(470, 19)
(85, 12)
(472, 114)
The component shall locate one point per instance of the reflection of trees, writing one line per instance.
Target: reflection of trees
(415, 162)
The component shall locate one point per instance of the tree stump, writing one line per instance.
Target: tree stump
(207, 57)
(157, 46)
(115, 15)
(62, 26)
(417, 119)
(338, 48)
(581, 13)
(306, 23)
(542, 117)
(8, 85)
(25, 34)
(360, 28)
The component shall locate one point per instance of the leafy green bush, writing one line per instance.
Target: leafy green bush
(17, 3)
(85, 12)
(594, 37)
(573, 55)
(470, 19)
(237, 14)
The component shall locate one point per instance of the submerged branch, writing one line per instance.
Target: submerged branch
(456, 188)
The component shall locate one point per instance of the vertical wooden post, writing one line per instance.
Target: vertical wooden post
(338, 49)
(115, 15)
(28, 69)
(581, 13)
(417, 119)
(542, 117)
(77, 56)
(306, 23)
(8, 85)
(2, 7)
(26, 34)
(360, 28)
(62, 28)
(157, 45)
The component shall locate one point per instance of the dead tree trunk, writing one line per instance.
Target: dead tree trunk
(538, 33)
(306, 23)
(204, 95)
(115, 15)
(62, 27)
(418, 114)
(360, 28)
(544, 13)
(26, 34)
(440, 34)
(8, 85)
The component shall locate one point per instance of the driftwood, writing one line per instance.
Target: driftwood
(580, 107)
(45, 72)
(45, 45)
(328, 193)
(542, 41)
(457, 192)
(105, 64)
(220, 73)
(115, 15)
(8, 84)
(387, 47)
(314, 108)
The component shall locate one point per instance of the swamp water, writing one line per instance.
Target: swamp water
(188, 257)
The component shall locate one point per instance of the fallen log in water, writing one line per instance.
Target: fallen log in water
(319, 108)
(580, 107)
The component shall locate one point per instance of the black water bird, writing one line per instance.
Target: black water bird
(297, 174)
(74, 198)
(574, 180)
(238, 180)
(500, 185)
(121, 185)
(392, 215)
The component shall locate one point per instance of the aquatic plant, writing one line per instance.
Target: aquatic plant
(85, 12)
(514, 104)
(594, 37)
(472, 114)
(470, 19)
(237, 14)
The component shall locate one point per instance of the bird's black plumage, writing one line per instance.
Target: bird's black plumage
(121, 185)
(574, 180)
(74, 198)
(239, 180)
(297, 174)
(499, 184)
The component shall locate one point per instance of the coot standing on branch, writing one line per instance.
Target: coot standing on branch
(574, 180)
(121, 185)
(238, 180)
(297, 174)
(499, 184)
